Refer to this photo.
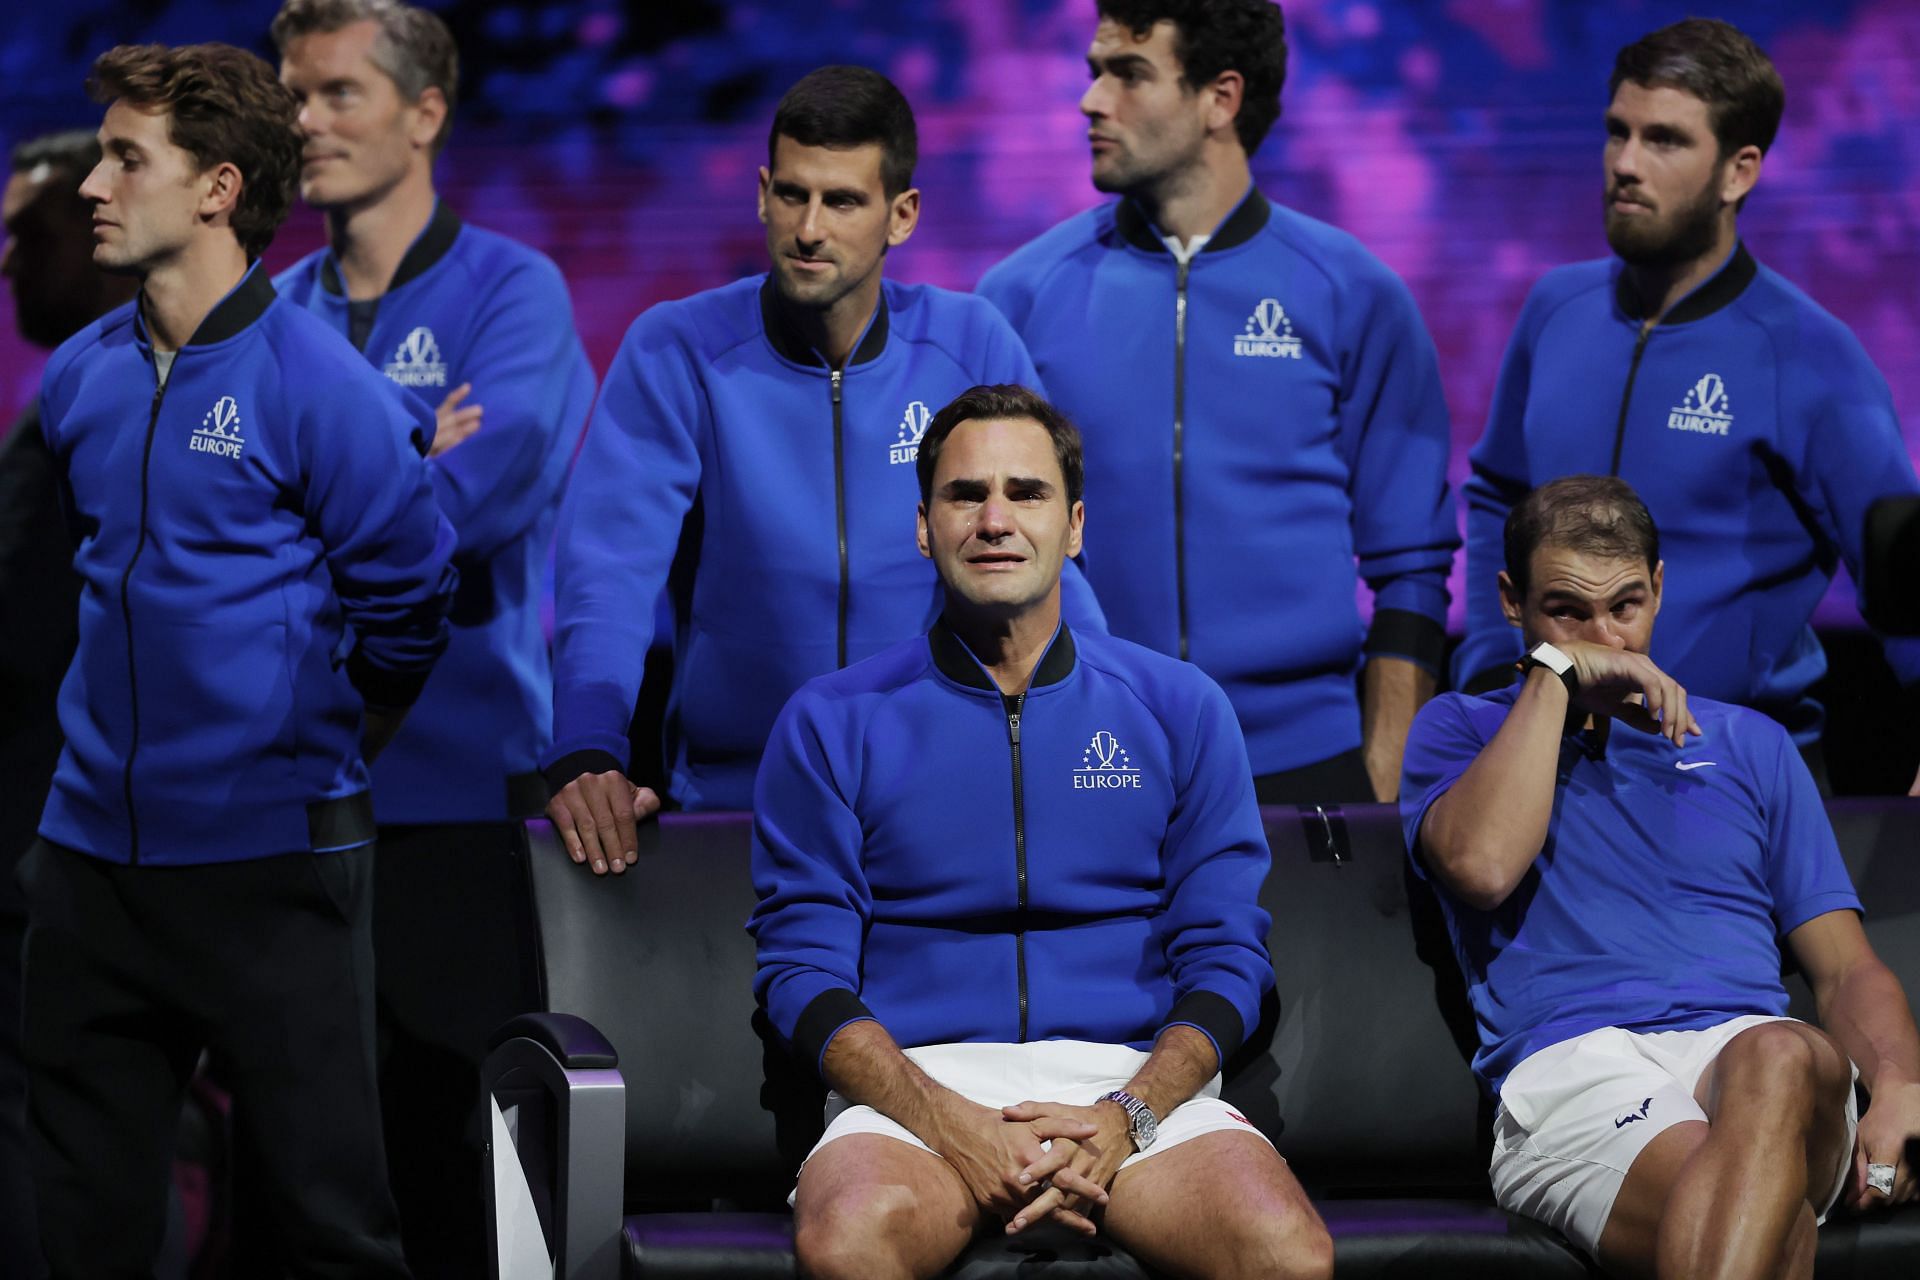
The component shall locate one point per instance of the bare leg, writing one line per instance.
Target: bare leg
(874, 1207)
(1219, 1207)
(1725, 1200)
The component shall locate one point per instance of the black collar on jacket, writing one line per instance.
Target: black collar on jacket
(246, 303)
(955, 661)
(1727, 284)
(430, 246)
(1242, 225)
(783, 329)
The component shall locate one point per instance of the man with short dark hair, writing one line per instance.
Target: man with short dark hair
(48, 262)
(1618, 860)
(1751, 421)
(753, 446)
(1267, 398)
(265, 578)
(477, 324)
(967, 1008)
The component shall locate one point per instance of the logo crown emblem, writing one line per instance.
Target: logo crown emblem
(418, 348)
(1269, 322)
(224, 418)
(1709, 395)
(913, 425)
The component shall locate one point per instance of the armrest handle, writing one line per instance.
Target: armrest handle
(573, 1040)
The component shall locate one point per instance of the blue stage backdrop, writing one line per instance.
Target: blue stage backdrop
(1460, 139)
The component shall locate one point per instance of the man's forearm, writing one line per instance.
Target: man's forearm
(863, 1065)
(1483, 834)
(1392, 690)
(1183, 1059)
(1866, 1011)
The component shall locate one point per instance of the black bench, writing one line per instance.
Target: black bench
(678, 1162)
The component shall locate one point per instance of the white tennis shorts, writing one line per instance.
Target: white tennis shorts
(1574, 1115)
(1075, 1072)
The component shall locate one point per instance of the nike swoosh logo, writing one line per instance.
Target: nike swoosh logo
(1688, 765)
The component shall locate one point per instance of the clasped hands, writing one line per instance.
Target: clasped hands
(1039, 1160)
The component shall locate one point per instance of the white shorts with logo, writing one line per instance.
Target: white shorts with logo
(1574, 1115)
(1075, 1072)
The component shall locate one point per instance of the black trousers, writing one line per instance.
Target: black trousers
(130, 973)
(453, 936)
(1340, 779)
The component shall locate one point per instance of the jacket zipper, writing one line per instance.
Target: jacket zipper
(1626, 397)
(1179, 433)
(126, 613)
(840, 511)
(1013, 706)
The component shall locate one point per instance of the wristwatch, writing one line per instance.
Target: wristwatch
(1141, 1125)
(1545, 655)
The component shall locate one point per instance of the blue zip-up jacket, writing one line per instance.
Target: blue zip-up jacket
(1079, 862)
(1753, 426)
(467, 305)
(261, 557)
(1256, 420)
(781, 496)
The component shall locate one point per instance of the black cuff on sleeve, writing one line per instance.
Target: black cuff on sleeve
(1213, 1014)
(574, 763)
(1488, 679)
(381, 688)
(829, 1011)
(1402, 633)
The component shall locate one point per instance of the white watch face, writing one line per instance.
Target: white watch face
(1551, 658)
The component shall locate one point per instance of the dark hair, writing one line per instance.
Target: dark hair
(850, 107)
(1211, 36)
(1595, 515)
(223, 105)
(1716, 63)
(415, 49)
(1000, 403)
(73, 151)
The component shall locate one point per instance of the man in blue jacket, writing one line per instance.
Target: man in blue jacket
(1266, 400)
(967, 1006)
(1750, 420)
(479, 325)
(754, 445)
(1619, 861)
(265, 577)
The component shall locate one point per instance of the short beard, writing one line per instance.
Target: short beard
(1687, 235)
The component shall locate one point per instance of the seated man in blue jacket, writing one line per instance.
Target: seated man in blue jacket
(1009, 878)
(265, 579)
(754, 446)
(1618, 860)
(1751, 420)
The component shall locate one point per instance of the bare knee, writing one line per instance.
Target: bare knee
(1783, 1063)
(855, 1234)
(1292, 1246)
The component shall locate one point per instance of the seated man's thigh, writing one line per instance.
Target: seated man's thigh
(1574, 1119)
(1220, 1203)
(872, 1205)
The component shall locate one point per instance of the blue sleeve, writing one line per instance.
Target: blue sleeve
(814, 901)
(388, 547)
(533, 384)
(1498, 480)
(1395, 432)
(1805, 874)
(1004, 288)
(619, 529)
(1216, 860)
(1442, 744)
(1852, 452)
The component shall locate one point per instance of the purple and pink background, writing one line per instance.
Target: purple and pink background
(1459, 139)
